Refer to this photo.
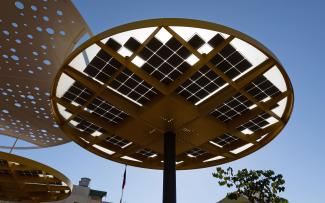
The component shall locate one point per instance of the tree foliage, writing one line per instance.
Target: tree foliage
(257, 185)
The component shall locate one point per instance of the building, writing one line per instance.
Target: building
(82, 193)
(241, 199)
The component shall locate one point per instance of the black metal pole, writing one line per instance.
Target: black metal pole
(169, 188)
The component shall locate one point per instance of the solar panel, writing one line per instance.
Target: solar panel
(147, 153)
(233, 107)
(200, 85)
(103, 66)
(4, 172)
(29, 173)
(118, 141)
(195, 152)
(224, 140)
(132, 44)
(196, 41)
(130, 85)
(256, 123)
(86, 126)
(166, 62)
(261, 88)
(229, 61)
(107, 111)
(77, 94)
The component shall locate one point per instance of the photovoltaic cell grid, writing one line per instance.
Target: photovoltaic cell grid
(146, 152)
(224, 140)
(118, 141)
(80, 95)
(200, 85)
(77, 94)
(166, 62)
(195, 152)
(261, 88)
(86, 126)
(107, 111)
(229, 61)
(29, 173)
(232, 108)
(256, 124)
(130, 85)
(103, 66)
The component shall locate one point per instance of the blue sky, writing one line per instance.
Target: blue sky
(293, 30)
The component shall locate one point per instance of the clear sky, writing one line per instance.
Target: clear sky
(294, 30)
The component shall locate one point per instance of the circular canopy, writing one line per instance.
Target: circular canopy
(222, 93)
(23, 179)
(36, 37)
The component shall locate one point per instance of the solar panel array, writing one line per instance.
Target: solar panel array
(195, 152)
(200, 85)
(147, 152)
(86, 126)
(166, 61)
(261, 88)
(103, 66)
(232, 108)
(31, 181)
(225, 139)
(77, 94)
(118, 141)
(256, 123)
(29, 173)
(228, 60)
(130, 85)
(107, 111)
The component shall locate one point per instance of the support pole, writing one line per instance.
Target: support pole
(169, 188)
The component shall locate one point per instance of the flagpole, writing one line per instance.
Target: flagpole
(123, 183)
(122, 196)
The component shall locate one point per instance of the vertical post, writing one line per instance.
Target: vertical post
(169, 188)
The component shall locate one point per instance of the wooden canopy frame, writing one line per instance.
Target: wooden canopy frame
(193, 124)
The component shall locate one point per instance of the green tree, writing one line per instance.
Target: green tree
(257, 185)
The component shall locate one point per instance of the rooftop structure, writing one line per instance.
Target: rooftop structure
(82, 193)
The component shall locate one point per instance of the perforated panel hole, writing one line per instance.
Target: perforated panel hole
(47, 62)
(59, 13)
(19, 5)
(33, 7)
(14, 24)
(6, 32)
(46, 18)
(50, 31)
